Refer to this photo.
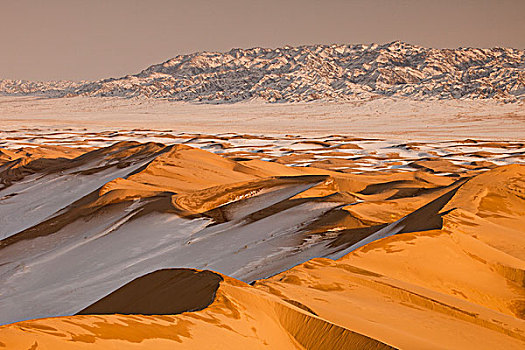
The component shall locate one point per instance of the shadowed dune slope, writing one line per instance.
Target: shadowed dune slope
(169, 291)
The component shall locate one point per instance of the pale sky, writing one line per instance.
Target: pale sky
(81, 39)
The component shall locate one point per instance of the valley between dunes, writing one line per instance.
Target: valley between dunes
(226, 241)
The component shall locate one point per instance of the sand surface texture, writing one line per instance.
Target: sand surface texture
(136, 238)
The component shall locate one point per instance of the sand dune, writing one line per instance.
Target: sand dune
(424, 255)
(240, 316)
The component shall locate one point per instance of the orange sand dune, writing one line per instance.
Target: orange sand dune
(240, 316)
(188, 181)
(452, 277)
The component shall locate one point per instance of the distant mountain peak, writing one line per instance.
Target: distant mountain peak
(311, 72)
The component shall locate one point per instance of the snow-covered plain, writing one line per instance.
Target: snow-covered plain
(390, 118)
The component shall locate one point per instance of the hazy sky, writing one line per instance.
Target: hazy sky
(92, 39)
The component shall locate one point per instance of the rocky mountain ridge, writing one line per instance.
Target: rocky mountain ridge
(307, 73)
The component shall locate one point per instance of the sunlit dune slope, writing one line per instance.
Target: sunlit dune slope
(464, 279)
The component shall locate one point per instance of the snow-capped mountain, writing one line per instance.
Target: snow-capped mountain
(306, 73)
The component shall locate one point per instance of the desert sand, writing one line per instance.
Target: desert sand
(168, 238)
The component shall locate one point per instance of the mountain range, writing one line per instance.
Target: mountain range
(307, 73)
